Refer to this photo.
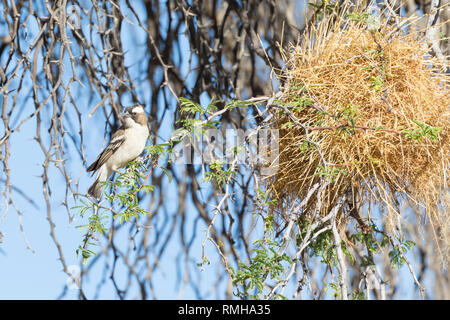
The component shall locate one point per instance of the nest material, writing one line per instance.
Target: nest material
(376, 106)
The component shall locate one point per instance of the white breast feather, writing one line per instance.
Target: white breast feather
(135, 139)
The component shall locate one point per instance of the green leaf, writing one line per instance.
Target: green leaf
(167, 173)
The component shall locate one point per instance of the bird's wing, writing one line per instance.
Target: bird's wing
(116, 141)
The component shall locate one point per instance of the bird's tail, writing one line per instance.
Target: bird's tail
(95, 190)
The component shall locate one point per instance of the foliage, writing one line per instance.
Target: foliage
(267, 262)
(123, 195)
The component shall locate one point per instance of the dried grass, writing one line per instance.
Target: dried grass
(358, 92)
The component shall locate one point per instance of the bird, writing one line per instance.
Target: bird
(126, 144)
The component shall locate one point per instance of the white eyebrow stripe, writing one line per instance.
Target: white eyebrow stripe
(138, 109)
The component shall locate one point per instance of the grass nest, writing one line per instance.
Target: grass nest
(367, 111)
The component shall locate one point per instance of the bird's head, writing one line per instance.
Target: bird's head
(136, 114)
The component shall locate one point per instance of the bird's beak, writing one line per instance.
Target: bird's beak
(123, 117)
